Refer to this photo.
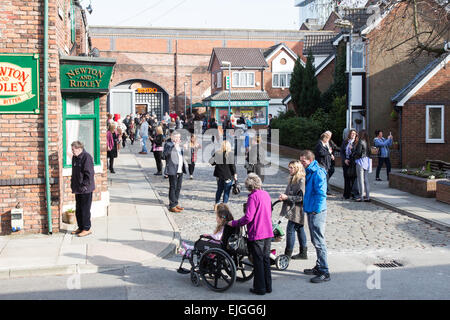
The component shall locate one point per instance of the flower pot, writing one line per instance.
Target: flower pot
(69, 218)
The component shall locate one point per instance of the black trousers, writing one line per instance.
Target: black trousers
(111, 163)
(387, 161)
(158, 155)
(191, 168)
(83, 210)
(349, 182)
(175, 183)
(260, 251)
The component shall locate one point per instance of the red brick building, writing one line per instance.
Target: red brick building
(23, 105)
(167, 61)
(424, 112)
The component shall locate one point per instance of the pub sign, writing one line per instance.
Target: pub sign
(19, 83)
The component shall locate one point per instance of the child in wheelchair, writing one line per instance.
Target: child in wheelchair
(223, 215)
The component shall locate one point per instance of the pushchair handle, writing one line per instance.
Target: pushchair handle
(275, 203)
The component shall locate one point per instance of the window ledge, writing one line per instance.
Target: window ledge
(67, 172)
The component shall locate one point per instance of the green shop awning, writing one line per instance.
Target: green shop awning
(236, 103)
(85, 74)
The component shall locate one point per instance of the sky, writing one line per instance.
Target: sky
(222, 14)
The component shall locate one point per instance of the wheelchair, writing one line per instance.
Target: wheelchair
(216, 263)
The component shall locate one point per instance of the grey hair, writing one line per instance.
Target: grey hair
(77, 145)
(253, 182)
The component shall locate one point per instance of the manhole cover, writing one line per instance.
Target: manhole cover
(389, 264)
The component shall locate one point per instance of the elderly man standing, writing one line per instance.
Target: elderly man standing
(175, 166)
(315, 206)
(82, 184)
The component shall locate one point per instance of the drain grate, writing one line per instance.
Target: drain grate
(389, 264)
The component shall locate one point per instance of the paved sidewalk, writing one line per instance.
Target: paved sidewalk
(136, 231)
(426, 209)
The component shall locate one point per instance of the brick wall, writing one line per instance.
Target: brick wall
(22, 136)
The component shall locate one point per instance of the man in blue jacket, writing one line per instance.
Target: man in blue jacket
(315, 207)
(383, 154)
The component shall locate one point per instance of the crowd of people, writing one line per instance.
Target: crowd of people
(304, 198)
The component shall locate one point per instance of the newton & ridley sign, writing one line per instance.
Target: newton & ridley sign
(19, 83)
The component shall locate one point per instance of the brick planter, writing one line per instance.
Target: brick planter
(443, 191)
(419, 186)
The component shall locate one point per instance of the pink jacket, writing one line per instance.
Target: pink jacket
(258, 216)
(109, 140)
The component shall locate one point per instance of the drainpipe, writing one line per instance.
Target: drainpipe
(47, 178)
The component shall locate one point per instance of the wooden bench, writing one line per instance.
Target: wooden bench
(438, 165)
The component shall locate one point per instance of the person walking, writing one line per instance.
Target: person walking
(112, 142)
(143, 132)
(348, 164)
(224, 171)
(363, 166)
(258, 219)
(175, 167)
(383, 153)
(324, 154)
(256, 157)
(82, 184)
(315, 207)
(157, 148)
(194, 146)
(293, 210)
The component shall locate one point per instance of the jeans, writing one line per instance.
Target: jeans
(144, 144)
(175, 183)
(316, 223)
(362, 176)
(291, 229)
(380, 165)
(191, 168)
(225, 188)
(348, 183)
(83, 210)
(260, 252)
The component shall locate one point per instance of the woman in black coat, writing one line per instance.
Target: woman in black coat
(349, 168)
(224, 171)
(157, 149)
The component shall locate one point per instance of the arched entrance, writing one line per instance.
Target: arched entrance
(138, 96)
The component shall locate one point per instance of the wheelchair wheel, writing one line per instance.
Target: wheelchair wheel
(195, 278)
(244, 268)
(217, 269)
(282, 262)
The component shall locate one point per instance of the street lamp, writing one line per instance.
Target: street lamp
(190, 76)
(347, 24)
(229, 86)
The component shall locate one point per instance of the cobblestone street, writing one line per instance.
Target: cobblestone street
(351, 227)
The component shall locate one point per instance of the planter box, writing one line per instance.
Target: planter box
(443, 191)
(418, 186)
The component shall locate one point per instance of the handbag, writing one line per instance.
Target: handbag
(374, 151)
(238, 242)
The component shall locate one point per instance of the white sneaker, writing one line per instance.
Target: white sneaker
(192, 177)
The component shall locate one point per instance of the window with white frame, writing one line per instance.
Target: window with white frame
(281, 80)
(434, 124)
(358, 63)
(243, 79)
(219, 79)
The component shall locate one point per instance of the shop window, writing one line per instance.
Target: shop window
(81, 122)
(435, 124)
(281, 80)
(243, 79)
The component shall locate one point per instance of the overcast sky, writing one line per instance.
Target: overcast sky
(245, 14)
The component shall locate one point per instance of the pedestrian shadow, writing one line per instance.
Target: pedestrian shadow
(134, 201)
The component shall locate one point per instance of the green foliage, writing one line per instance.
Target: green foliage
(285, 115)
(310, 94)
(296, 84)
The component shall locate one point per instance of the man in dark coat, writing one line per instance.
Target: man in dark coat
(175, 167)
(82, 184)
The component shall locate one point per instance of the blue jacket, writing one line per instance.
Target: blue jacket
(315, 198)
(383, 144)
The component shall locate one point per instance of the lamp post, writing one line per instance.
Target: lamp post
(190, 106)
(347, 24)
(229, 86)
(185, 97)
